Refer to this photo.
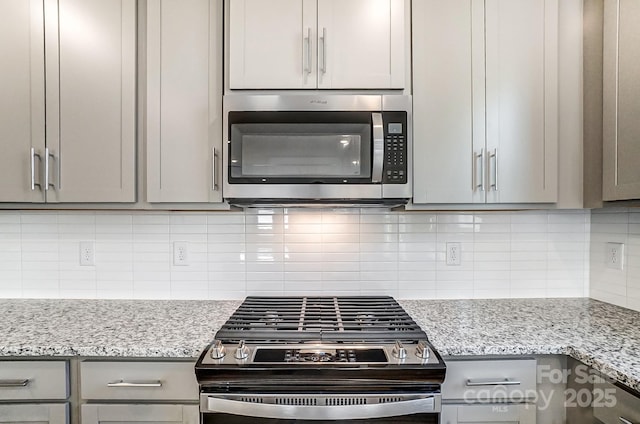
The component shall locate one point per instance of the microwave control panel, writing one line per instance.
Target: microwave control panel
(395, 148)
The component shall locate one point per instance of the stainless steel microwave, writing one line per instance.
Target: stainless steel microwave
(301, 149)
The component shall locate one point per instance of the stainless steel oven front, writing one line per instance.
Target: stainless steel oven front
(323, 407)
(312, 148)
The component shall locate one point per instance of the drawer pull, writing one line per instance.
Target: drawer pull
(15, 383)
(472, 382)
(624, 420)
(129, 384)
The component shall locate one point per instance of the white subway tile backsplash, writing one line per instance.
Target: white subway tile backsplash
(287, 251)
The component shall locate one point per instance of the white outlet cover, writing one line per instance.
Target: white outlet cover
(180, 253)
(87, 253)
(454, 253)
(614, 256)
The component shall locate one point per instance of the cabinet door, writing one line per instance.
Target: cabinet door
(90, 51)
(522, 100)
(21, 99)
(621, 93)
(272, 44)
(361, 43)
(114, 414)
(184, 100)
(484, 414)
(34, 413)
(448, 101)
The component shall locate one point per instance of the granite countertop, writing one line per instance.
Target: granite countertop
(601, 335)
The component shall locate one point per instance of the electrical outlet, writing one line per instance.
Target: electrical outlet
(454, 254)
(87, 253)
(180, 253)
(614, 255)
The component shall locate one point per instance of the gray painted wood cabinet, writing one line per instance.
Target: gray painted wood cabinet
(74, 60)
(184, 101)
(485, 101)
(621, 100)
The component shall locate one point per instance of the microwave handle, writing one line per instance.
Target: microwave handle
(378, 147)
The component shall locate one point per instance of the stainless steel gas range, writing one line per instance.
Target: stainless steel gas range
(320, 360)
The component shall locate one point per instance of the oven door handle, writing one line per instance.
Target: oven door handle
(303, 412)
(378, 147)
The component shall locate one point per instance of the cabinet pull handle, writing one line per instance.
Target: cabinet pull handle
(307, 48)
(479, 184)
(624, 420)
(47, 182)
(15, 383)
(323, 40)
(214, 169)
(494, 155)
(473, 382)
(34, 155)
(129, 384)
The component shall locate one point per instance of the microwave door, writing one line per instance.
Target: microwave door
(301, 153)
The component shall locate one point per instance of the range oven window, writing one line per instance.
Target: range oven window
(300, 147)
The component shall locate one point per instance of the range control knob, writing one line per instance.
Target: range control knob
(217, 350)
(422, 350)
(399, 351)
(242, 351)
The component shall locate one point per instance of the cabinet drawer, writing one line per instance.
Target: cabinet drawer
(612, 405)
(156, 414)
(35, 413)
(490, 380)
(496, 413)
(25, 380)
(138, 380)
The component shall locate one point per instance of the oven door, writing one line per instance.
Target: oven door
(320, 408)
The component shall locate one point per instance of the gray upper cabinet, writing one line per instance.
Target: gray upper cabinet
(184, 101)
(83, 52)
(90, 74)
(485, 101)
(324, 44)
(621, 100)
(21, 99)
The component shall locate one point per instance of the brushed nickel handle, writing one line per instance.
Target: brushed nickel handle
(214, 169)
(378, 148)
(130, 384)
(494, 155)
(323, 39)
(474, 382)
(33, 157)
(480, 184)
(624, 420)
(15, 383)
(47, 183)
(307, 48)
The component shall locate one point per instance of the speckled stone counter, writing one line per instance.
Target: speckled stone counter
(135, 328)
(603, 336)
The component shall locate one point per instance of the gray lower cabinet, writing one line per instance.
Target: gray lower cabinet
(613, 405)
(35, 413)
(489, 390)
(483, 414)
(138, 391)
(170, 414)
